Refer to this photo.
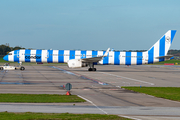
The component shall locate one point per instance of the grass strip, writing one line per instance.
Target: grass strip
(169, 61)
(39, 98)
(171, 93)
(1, 59)
(56, 116)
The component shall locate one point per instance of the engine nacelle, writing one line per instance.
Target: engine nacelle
(75, 63)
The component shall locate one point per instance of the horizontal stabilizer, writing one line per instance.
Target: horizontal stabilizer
(165, 57)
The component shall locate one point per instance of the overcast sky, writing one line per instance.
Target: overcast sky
(88, 24)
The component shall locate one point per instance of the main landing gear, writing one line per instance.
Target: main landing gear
(91, 67)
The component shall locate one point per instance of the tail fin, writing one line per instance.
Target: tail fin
(161, 47)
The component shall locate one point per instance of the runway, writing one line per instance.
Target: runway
(102, 89)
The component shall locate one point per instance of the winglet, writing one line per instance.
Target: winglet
(107, 51)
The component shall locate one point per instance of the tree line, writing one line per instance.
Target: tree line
(5, 49)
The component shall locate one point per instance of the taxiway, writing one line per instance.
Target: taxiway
(101, 89)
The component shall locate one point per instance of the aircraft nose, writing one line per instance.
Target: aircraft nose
(5, 58)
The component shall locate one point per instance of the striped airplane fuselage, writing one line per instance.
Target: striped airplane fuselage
(63, 56)
(77, 58)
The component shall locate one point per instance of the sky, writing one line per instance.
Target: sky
(88, 24)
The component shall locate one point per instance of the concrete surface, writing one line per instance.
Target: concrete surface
(102, 89)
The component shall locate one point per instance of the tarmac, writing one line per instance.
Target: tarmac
(101, 89)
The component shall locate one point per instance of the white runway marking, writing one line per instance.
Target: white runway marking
(128, 78)
(129, 117)
(93, 104)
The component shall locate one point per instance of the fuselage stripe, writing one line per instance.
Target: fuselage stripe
(151, 55)
(117, 58)
(27, 55)
(38, 55)
(94, 54)
(139, 58)
(50, 56)
(61, 56)
(16, 56)
(128, 58)
(72, 54)
(83, 54)
(105, 59)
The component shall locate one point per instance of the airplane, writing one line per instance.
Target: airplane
(81, 58)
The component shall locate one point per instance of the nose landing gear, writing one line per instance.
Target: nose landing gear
(21, 67)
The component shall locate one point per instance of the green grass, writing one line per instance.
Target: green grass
(56, 116)
(1, 60)
(39, 98)
(169, 61)
(171, 93)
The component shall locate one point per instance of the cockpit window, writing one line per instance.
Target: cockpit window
(10, 54)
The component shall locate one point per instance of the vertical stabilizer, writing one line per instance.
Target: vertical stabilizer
(161, 47)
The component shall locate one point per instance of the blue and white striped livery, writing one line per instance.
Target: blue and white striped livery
(77, 58)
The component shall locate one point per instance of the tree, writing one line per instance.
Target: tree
(17, 48)
(4, 49)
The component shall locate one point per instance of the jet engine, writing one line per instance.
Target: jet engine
(76, 63)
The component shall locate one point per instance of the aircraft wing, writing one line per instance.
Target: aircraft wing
(96, 59)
